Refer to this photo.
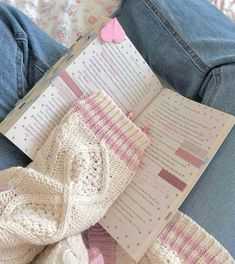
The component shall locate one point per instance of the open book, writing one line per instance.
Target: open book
(185, 135)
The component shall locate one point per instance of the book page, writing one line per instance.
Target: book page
(116, 68)
(184, 137)
(31, 130)
(120, 71)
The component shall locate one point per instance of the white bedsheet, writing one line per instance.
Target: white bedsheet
(65, 20)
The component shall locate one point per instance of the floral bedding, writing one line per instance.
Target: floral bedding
(65, 20)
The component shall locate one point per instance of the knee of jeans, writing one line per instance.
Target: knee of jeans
(217, 89)
(4, 6)
(5, 10)
(10, 22)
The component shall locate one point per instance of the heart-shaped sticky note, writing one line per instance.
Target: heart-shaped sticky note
(113, 32)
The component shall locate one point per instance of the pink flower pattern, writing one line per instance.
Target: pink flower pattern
(227, 6)
(65, 20)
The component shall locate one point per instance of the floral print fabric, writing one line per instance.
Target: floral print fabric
(66, 20)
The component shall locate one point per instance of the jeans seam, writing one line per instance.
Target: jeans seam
(217, 76)
(19, 36)
(19, 70)
(41, 66)
(38, 64)
(176, 36)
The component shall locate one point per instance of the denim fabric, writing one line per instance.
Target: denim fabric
(26, 53)
(189, 43)
(192, 45)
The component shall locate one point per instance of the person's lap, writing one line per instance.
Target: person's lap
(26, 53)
(196, 59)
(192, 45)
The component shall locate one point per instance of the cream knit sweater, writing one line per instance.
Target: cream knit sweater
(181, 242)
(85, 164)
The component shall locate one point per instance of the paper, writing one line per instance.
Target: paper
(113, 32)
(184, 136)
(119, 70)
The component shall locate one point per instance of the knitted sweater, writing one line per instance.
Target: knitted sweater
(182, 242)
(85, 164)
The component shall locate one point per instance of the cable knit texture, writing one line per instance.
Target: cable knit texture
(85, 164)
(68, 251)
(87, 161)
(181, 242)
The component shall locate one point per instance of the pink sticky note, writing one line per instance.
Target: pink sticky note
(146, 129)
(113, 32)
(130, 115)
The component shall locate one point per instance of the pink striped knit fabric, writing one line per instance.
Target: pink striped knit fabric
(192, 243)
(182, 238)
(97, 237)
(102, 119)
(95, 256)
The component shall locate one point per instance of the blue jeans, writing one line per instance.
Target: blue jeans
(189, 43)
